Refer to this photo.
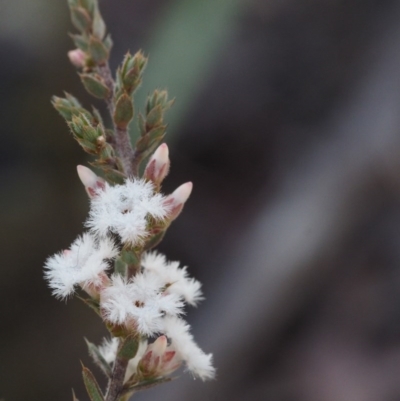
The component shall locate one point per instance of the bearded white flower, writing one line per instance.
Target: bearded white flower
(83, 264)
(125, 210)
(139, 303)
(197, 362)
(174, 279)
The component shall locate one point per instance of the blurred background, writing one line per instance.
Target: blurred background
(287, 120)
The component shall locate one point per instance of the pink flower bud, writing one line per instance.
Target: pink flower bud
(177, 199)
(159, 359)
(94, 288)
(90, 180)
(77, 58)
(182, 193)
(158, 166)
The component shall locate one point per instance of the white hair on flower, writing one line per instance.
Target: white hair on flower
(108, 349)
(174, 278)
(81, 265)
(139, 302)
(125, 209)
(197, 362)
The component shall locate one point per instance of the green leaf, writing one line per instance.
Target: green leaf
(142, 124)
(114, 176)
(108, 43)
(89, 5)
(91, 303)
(98, 52)
(91, 385)
(157, 133)
(154, 117)
(129, 257)
(146, 384)
(154, 240)
(120, 267)
(90, 134)
(98, 358)
(132, 71)
(128, 347)
(97, 116)
(72, 100)
(81, 42)
(81, 19)
(95, 85)
(99, 27)
(123, 112)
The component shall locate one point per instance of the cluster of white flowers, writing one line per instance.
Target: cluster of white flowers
(151, 302)
(83, 264)
(125, 210)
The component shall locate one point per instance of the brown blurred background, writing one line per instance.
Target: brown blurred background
(287, 120)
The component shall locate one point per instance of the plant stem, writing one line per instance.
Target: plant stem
(116, 383)
(123, 144)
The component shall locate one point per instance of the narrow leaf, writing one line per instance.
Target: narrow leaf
(142, 124)
(81, 42)
(108, 43)
(91, 303)
(120, 267)
(81, 19)
(128, 347)
(98, 358)
(91, 385)
(123, 113)
(99, 27)
(98, 51)
(95, 85)
(146, 384)
(154, 117)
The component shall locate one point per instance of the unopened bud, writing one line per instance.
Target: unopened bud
(159, 359)
(94, 288)
(158, 166)
(90, 180)
(77, 58)
(177, 199)
(182, 193)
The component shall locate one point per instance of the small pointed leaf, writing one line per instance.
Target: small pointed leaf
(91, 385)
(98, 51)
(81, 19)
(128, 347)
(81, 42)
(95, 85)
(108, 43)
(98, 358)
(123, 113)
(99, 27)
(91, 303)
(154, 117)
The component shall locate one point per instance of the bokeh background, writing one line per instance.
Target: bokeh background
(287, 120)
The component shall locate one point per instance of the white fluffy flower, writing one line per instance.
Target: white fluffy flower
(197, 362)
(108, 349)
(139, 302)
(125, 209)
(83, 264)
(174, 278)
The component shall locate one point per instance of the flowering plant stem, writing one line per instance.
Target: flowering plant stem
(138, 294)
(116, 384)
